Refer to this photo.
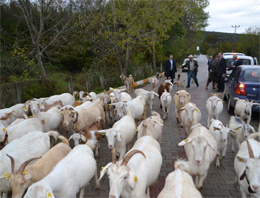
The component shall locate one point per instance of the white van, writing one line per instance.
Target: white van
(246, 60)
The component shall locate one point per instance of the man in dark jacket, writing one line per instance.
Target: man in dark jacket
(236, 63)
(221, 72)
(170, 68)
(192, 70)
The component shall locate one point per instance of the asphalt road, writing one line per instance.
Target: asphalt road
(219, 182)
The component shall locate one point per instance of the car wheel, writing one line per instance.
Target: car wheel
(229, 107)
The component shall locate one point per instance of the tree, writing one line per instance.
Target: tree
(46, 21)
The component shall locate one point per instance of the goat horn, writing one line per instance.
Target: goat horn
(250, 151)
(114, 155)
(12, 162)
(220, 125)
(22, 167)
(129, 155)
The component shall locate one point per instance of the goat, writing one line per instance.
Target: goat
(220, 133)
(139, 169)
(165, 100)
(148, 95)
(166, 85)
(120, 135)
(243, 109)
(179, 184)
(65, 98)
(239, 131)
(25, 175)
(214, 107)
(190, 115)
(33, 144)
(46, 107)
(85, 134)
(13, 132)
(154, 82)
(151, 126)
(200, 148)
(72, 173)
(50, 119)
(181, 98)
(247, 167)
(121, 96)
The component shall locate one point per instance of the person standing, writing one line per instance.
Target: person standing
(192, 70)
(236, 63)
(221, 72)
(210, 61)
(170, 68)
(212, 73)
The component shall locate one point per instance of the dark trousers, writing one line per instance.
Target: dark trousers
(193, 75)
(220, 83)
(171, 74)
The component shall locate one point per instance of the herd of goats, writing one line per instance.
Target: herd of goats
(37, 161)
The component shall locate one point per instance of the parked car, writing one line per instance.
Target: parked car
(185, 68)
(246, 60)
(232, 53)
(245, 84)
(255, 61)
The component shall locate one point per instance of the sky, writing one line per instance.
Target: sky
(225, 13)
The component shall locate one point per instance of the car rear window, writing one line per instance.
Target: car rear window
(252, 75)
(229, 62)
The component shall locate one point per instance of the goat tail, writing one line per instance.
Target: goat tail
(183, 165)
(63, 139)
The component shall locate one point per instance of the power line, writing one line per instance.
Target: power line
(234, 45)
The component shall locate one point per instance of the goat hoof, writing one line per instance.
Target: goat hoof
(218, 166)
(200, 189)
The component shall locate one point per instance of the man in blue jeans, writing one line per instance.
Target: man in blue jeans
(192, 70)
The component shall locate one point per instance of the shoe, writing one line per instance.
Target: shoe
(198, 85)
(206, 88)
(188, 87)
(219, 91)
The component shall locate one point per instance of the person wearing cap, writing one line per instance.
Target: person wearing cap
(236, 63)
(170, 68)
(192, 70)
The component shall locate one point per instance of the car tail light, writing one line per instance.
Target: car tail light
(241, 89)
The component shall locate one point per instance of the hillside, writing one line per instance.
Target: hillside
(223, 36)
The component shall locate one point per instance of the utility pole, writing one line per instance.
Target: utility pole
(234, 44)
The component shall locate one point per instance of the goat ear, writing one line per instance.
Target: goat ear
(183, 142)
(212, 146)
(42, 106)
(104, 170)
(27, 176)
(182, 109)
(70, 137)
(132, 178)
(118, 136)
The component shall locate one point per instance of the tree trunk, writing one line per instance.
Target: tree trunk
(154, 59)
(127, 55)
(40, 63)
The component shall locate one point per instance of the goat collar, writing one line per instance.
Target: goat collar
(124, 79)
(242, 177)
(247, 113)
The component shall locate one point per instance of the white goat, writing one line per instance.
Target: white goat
(151, 126)
(247, 167)
(166, 100)
(72, 173)
(85, 96)
(65, 98)
(243, 109)
(239, 130)
(33, 144)
(190, 115)
(135, 108)
(140, 168)
(121, 96)
(50, 119)
(154, 82)
(149, 96)
(214, 107)
(200, 148)
(120, 135)
(181, 98)
(179, 184)
(220, 133)
(25, 176)
(16, 131)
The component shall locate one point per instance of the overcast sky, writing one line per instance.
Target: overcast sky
(225, 13)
